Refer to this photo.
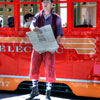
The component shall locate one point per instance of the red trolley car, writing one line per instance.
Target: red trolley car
(78, 57)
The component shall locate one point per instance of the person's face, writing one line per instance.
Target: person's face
(47, 5)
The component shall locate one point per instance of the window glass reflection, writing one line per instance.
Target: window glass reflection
(85, 14)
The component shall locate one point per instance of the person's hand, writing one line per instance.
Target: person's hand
(58, 39)
(36, 29)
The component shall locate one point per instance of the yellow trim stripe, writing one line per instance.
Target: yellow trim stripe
(77, 40)
(81, 45)
(72, 46)
(14, 39)
(86, 51)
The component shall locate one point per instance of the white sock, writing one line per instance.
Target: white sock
(34, 83)
(48, 86)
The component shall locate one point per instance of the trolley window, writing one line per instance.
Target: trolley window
(6, 0)
(85, 14)
(61, 9)
(6, 15)
(27, 12)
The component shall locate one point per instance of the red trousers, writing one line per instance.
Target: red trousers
(49, 64)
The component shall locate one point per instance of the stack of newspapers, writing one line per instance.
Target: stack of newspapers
(43, 41)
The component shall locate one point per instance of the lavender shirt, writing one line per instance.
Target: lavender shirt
(48, 20)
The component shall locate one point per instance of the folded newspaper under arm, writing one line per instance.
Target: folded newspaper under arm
(44, 40)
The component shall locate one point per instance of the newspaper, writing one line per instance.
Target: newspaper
(44, 40)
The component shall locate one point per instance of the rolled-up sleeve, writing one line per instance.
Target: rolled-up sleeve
(59, 27)
(34, 22)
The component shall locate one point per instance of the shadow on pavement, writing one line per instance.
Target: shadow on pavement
(6, 94)
(12, 94)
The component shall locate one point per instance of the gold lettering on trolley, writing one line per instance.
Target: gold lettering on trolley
(81, 45)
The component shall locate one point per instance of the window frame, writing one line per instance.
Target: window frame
(16, 4)
(70, 15)
(7, 28)
(84, 28)
(39, 2)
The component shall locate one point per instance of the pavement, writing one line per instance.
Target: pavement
(23, 97)
(19, 95)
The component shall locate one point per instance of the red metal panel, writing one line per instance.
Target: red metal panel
(73, 60)
(69, 24)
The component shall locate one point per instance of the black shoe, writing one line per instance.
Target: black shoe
(48, 92)
(35, 92)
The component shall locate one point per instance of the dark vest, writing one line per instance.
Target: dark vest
(54, 26)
